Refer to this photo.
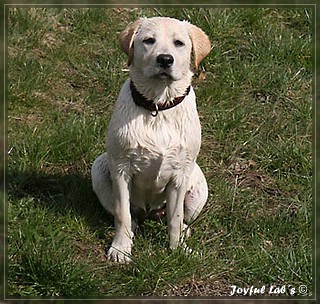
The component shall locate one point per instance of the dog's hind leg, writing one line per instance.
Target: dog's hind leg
(195, 199)
(102, 183)
(196, 195)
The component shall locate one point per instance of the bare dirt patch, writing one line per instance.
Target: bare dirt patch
(199, 288)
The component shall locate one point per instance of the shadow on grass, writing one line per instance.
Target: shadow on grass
(61, 194)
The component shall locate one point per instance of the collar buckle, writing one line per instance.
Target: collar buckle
(155, 112)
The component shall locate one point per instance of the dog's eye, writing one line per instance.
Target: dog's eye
(178, 43)
(149, 41)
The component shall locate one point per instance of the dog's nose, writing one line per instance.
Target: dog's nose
(165, 60)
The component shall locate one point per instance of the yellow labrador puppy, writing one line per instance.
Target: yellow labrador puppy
(154, 134)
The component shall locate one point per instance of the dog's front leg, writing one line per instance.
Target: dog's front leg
(120, 249)
(175, 212)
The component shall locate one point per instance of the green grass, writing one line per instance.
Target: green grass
(255, 105)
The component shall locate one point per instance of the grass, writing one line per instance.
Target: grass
(255, 105)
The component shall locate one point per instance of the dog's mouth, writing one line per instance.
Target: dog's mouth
(164, 76)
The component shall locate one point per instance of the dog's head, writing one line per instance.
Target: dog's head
(161, 47)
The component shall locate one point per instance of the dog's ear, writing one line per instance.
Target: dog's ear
(126, 39)
(200, 44)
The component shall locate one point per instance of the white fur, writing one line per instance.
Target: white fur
(150, 160)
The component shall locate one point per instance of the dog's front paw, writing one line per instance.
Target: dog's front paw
(120, 253)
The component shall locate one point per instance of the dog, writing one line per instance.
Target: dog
(154, 135)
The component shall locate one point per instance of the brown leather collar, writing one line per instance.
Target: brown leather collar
(148, 104)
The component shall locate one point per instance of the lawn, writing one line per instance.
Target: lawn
(254, 98)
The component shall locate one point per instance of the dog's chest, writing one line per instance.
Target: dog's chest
(160, 157)
(154, 150)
